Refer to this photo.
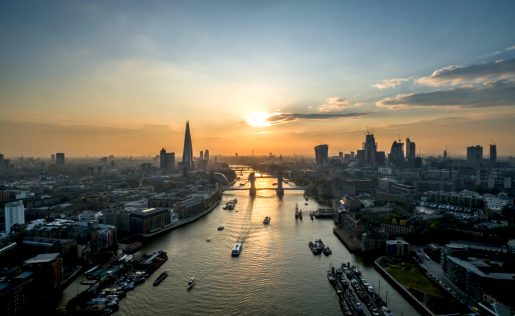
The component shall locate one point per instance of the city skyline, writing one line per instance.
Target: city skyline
(98, 79)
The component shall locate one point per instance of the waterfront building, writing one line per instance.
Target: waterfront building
(397, 248)
(149, 220)
(322, 154)
(14, 214)
(475, 154)
(470, 267)
(187, 154)
(119, 218)
(59, 159)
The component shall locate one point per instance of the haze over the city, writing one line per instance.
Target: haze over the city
(99, 78)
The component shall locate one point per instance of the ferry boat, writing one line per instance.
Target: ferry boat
(236, 249)
(266, 221)
(191, 283)
(160, 278)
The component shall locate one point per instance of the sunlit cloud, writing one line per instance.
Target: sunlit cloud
(498, 93)
(390, 83)
(336, 104)
(279, 118)
(474, 74)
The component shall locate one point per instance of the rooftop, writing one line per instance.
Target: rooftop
(43, 258)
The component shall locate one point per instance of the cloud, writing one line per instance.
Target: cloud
(336, 104)
(498, 93)
(510, 48)
(280, 118)
(474, 74)
(390, 83)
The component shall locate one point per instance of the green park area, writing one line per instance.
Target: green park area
(425, 290)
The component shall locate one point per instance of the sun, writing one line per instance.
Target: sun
(258, 119)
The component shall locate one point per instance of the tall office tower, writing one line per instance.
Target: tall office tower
(396, 156)
(187, 153)
(162, 159)
(493, 154)
(166, 161)
(59, 158)
(206, 154)
(321, 154)
(370, 149)
(410, 153)
(201, 155)
(170, 162)
(14, 214)
(475, 153)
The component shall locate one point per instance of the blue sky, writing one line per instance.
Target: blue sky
(124, 64)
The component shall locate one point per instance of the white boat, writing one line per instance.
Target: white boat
(191, 282)
(236, 249)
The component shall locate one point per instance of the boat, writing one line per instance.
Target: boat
(236, 249)
(298, 213)
(220, 228)
(191, 283)
(266, 221)
(160, 278)
(327, 251)
(313, 248)
(242, 184)
(331, 277)
(306, 203)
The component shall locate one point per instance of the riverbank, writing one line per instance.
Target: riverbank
(184, 221)
(414, 285)
(352, 244)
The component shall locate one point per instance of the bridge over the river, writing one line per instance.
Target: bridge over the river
(252, 190)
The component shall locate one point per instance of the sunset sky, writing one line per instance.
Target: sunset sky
(122, 77)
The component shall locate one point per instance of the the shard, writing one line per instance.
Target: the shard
(187, 154)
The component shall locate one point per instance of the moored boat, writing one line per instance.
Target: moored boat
(160, 278)
(266, 220)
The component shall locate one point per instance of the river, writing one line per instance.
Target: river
(275, 274)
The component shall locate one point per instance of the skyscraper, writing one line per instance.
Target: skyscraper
(321, 154)
(59, 158)
(410, 153)
(187, 154)
(396, 156)
(14, 214)
(166, 161)
(475, 153)
(493, 154)
(206, 154)
(370, 149)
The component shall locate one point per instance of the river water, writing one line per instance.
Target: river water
(275, 274)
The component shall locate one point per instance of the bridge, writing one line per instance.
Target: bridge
(252, 191)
